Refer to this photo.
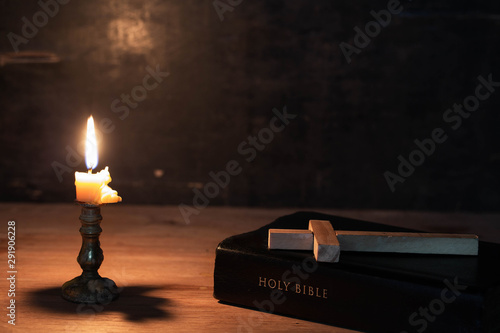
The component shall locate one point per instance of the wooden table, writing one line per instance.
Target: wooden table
(164, 266)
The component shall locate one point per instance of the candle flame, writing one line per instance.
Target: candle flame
(91, 145)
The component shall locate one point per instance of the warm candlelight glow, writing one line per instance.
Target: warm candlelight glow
(93, 188)
(91, 156)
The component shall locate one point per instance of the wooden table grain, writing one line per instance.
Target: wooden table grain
(163, 266)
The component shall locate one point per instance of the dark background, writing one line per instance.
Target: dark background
(226, 77)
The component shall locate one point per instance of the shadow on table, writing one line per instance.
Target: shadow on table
(132, 302)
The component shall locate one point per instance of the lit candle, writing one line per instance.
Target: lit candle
(93, 188)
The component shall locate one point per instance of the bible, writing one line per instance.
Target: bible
(371, 292)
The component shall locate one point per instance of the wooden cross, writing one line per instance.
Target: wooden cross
(327, 243)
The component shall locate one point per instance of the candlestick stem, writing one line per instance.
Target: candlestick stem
(90, 287)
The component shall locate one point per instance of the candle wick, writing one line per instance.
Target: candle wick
(90, 170)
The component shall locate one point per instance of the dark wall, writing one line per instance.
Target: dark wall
(225, 77)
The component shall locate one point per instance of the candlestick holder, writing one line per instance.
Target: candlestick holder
(90, 287)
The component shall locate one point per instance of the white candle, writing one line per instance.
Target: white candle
(93, 188)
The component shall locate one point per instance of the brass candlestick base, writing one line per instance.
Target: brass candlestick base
(90, 287)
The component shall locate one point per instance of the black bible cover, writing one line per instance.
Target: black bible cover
(372, 292)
